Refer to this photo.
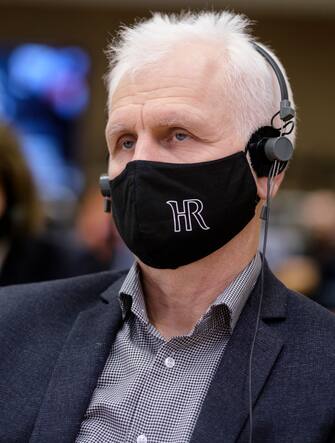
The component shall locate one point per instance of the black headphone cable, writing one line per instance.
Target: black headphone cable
(265, 216)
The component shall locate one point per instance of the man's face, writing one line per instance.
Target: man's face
(175, 111)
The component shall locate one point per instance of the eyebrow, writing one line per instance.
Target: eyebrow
(177, 118)
(165, 119)
(116, 128)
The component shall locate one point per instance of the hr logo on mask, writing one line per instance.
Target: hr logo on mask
(192, 209)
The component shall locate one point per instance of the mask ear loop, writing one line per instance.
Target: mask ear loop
(265, 216)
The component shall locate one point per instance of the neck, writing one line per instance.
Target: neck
(177, 298)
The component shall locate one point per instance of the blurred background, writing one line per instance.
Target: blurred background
(51, 92)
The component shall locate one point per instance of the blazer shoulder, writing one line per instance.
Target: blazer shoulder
(281, 301)
(305, 324)
(70, 294)
(308, 310)
(311, 326)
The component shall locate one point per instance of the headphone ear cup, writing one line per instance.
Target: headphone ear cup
(104, 185)
(106, 192)
(256, 148)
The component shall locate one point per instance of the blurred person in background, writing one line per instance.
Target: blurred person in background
(162, 353)
(29, 251)
(312, 270)
(299, 273)
(318, 219)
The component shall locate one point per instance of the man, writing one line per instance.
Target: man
(161, 354)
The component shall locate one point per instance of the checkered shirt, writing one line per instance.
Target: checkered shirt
(151, 390)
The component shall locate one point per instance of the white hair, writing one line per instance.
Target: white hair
(251, 89)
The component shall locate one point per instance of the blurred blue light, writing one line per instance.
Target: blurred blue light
(43, 90)
(32, 67)
(54, 178)
(7, 104)
(56, 75)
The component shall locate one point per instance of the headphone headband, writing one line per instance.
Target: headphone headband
(286, 111)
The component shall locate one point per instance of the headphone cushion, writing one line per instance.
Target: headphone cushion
(259, 161)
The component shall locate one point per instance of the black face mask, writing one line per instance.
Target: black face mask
(172, 214)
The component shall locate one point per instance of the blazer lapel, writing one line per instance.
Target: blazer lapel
(226, 407)
(77, 370)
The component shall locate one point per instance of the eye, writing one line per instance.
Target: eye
(180, 136)
(127, 143)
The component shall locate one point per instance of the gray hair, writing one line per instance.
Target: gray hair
(253, 91)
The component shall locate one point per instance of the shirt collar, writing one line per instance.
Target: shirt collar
(236, 294)
(131, 294)
(233, 297)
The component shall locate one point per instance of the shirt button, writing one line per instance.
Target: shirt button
(141, 439)
(169, 362)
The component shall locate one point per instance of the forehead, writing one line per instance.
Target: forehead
(189, 73)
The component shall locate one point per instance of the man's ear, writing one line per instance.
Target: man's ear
(261, 183)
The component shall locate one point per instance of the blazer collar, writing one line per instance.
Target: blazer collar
(79, 365)
(111, 294)
(226, 407)
(274, 305)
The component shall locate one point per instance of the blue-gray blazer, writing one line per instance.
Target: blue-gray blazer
(55, 338)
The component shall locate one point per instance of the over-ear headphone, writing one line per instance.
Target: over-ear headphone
(266, 145)
(269, 144)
